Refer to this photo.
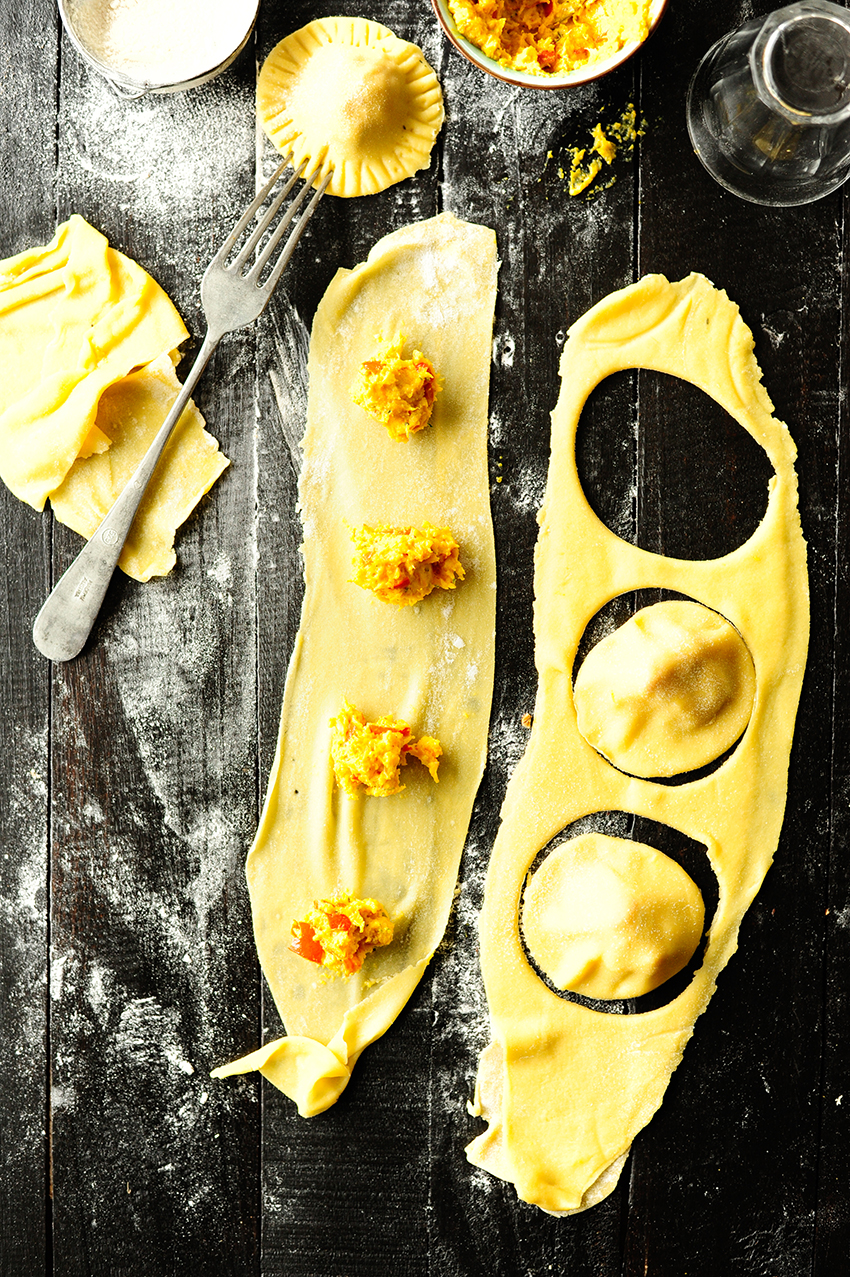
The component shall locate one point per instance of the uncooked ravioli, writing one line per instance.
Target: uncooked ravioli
(610, 918)
(565, 1087)
(347, 95)
(668, 692)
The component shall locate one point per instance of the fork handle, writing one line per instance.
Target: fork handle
(69, 613)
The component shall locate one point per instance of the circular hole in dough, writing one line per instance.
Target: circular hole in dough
(346, 94)
(668, 692)
(694, 453)
(609, 918)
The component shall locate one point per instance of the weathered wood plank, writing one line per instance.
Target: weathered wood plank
(505, 163)
(735, 1147)
(28, 65)
(832, 1224)
(154, 775)
(344, 1192)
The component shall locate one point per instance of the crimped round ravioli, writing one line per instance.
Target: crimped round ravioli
(348, 95)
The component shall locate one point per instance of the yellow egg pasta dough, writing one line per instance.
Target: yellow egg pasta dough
(666, 693)
(129, 414)
(347, 95)
(429, 665)
(88, 343)
(563, 1086)
(610, 918)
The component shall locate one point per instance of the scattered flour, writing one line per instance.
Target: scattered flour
(289, 380)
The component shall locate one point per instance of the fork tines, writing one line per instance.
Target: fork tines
(241, 262)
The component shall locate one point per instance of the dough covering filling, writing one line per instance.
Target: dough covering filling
(349, 97)
(609, 918)
(666, 693)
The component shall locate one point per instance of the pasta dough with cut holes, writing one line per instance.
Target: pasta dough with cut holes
(345, 94)
(431, 665)
(563, 1087)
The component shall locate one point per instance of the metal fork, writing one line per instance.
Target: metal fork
(233, 294)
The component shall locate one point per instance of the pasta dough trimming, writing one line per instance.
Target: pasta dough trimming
(565, 1088)
(88, 343)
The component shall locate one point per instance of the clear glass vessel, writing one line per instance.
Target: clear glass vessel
(769, 106)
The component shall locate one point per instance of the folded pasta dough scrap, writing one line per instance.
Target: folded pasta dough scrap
(88, 343)
(431, 664)
(103, 316)
(129, 414)
(564, 1087)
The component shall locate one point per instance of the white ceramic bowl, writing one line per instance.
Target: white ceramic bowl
(129, 87)
(523, 78)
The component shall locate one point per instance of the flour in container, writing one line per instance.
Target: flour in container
(161, 42)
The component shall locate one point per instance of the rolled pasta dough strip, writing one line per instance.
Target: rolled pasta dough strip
(565, 1088)
(431, 664)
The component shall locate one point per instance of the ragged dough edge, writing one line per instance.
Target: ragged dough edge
(358, 169)
(428, 270)
(108, 317)
(487, 1151)
(559, 1127)
(130, 413)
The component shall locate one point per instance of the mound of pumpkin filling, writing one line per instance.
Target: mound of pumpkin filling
(397, 390)
(403, 565)
(367, 756)
(88, 345)
(553, 37)
(340, 932)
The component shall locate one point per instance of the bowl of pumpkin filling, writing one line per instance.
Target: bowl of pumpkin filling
(548, 44)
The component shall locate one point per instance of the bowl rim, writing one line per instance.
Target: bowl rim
(128, 86)
(524, 79)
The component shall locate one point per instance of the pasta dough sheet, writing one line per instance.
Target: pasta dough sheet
(430, 664)
(88, 344)
(565, 1088)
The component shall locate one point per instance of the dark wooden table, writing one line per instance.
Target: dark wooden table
(131, 778)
